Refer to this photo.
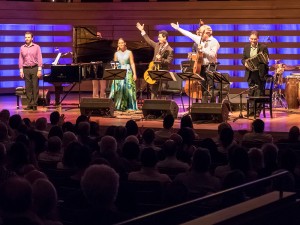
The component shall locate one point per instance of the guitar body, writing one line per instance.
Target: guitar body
(193, 88)
(147, 77)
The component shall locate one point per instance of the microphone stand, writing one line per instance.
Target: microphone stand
(241, 102)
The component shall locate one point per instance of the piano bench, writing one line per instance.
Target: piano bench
(19, 92)
(43, 98)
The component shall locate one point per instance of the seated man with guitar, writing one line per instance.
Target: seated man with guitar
(163, 53)
(208, 48)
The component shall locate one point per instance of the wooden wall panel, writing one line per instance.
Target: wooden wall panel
(118, 19)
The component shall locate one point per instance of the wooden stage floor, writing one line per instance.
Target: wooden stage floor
(281, 122)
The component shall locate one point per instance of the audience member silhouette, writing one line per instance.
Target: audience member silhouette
(149, 171)
(16, 202)
(4, 172)
(45, 202)
(100, 185)
(171, 163)
(54, 152)
(258, 134)
(131, 152)
(148, 139)
(41, 126)
(132, 128)
(165, 133)
(198, 180)
(56, 131)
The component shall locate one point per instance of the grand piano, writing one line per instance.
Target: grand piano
(91, 56)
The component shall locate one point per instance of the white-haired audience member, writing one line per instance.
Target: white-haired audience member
(68, 137)
(108, 150)
(100, 184)
(45, 201)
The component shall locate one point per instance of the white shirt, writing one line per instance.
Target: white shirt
(210, 47)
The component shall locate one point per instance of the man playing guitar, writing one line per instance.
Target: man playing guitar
(162, 53)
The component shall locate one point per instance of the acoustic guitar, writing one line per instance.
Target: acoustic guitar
(147, 77)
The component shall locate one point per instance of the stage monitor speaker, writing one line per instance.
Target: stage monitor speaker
(97, 106)
(156, 108)
(216, 112)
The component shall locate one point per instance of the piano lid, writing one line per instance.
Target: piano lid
(89, 47)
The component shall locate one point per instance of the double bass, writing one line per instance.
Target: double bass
(193, 87)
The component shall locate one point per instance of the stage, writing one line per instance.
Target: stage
(281, 122)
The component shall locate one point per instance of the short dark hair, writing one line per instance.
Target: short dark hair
(54, 117)
(258, 126)
(168, 121)
(148, 157)
(164, 33)
(254, 32)
(201, 160)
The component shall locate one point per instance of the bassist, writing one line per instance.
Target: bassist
(209, 46)
(162, 53)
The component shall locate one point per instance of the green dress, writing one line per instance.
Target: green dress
(124, 91)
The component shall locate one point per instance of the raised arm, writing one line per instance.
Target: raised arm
(145, 36)
(192, 36)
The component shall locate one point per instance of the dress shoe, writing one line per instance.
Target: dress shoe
(28, 107)
(34, 108)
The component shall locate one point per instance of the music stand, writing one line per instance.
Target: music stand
(222, 80)
(190, 76)
(114, 74)
(161, 75)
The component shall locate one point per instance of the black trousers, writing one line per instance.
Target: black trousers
(207, 86)
(31, 85)
(256, 79)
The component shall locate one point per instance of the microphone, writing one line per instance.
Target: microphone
(67, 53)
(269, 39)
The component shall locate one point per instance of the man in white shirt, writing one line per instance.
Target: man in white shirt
(207, 45)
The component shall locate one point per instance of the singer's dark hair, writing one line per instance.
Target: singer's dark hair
(164, 33)
(254, 32)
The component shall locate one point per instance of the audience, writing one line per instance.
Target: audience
(41, 126)
(148, 139)
(53, 152)
(258, 134)
(100, 185)
(171, 162)
(99, 166)
(149, 171)
(45, 201)
(165, 133)
(16, 202)
(198, 181)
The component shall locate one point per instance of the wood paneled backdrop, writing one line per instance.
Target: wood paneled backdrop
(118, 19)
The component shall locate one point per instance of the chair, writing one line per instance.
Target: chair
(174, 88)
(265, 99)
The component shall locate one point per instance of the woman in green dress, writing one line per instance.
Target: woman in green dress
(124, 91)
